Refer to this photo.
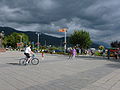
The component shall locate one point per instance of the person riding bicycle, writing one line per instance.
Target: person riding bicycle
(27, 53)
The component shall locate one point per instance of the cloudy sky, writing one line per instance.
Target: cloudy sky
(99, 17)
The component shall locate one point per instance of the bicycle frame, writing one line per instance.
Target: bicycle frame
(32, 60)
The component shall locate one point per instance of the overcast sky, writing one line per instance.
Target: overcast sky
(99, 17)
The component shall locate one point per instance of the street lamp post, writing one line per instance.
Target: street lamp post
(45, 43)
(21, 38)
(65, 43)
(65, 40)
(38, 43)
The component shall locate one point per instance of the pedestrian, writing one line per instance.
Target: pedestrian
(42, 54)
(74, 52)
(70, 53)
(77, 50)
(119, 53)
(108, 53)
(116, 55)
(104, 53)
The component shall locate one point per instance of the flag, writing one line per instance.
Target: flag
(63, 30)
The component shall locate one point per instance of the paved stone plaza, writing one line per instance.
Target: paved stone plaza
(57, 72)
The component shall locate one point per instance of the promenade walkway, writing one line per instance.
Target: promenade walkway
(56, 72)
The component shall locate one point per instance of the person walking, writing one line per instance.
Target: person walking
(74, 52)
(108, 53)
(119, 53)
(70, 53)
(42, 54)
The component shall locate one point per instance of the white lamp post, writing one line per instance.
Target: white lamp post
(38, 43)
(65, 43)
(65, 40)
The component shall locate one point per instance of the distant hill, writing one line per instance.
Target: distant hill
(8, 30)
(106, 45)
(96, 45)
(49, 40)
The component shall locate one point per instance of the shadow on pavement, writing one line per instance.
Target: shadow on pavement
(114, 65)
(14, 63)
(92, 57)
(98, 58)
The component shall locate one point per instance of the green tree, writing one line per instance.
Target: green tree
(14, 38)
(81, 38)
(115, 44)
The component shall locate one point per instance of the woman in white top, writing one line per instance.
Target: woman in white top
(27, 52)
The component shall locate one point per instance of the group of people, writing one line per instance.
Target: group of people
(116, 54)
(72, 53)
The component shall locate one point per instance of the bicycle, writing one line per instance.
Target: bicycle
(33, 61)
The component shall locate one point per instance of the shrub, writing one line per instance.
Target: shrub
(98, 53)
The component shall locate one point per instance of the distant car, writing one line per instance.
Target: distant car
(58, 50)
(46, 51)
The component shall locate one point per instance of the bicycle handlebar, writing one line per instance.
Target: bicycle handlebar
(33, 55)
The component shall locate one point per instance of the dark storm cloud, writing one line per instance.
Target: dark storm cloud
(99, 17)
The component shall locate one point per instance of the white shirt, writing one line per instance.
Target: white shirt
(28, 50)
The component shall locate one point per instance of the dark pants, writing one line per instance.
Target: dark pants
(27, 55)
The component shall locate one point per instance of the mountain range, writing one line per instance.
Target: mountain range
(46, 39)
(43, 38)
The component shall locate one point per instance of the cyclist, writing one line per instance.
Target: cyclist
(27, 53)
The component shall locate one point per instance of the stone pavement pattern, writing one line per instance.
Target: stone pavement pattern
(56, 72)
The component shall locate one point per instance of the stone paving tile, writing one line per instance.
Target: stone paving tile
(55, 72)
(74, 82)
(116, 86)
(13, 81)
(94, 88)
(4, 85)
(109, 82)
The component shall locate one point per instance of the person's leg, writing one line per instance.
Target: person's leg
(73, 56)
(69, 56)
(28, 58)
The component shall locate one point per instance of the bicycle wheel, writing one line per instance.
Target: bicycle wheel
(22, 61)
(35, 61)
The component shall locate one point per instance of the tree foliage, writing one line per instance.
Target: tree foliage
(115, 44)
(14, 38)
(81, 38)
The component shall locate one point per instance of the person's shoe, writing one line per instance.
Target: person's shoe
(26, 62)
